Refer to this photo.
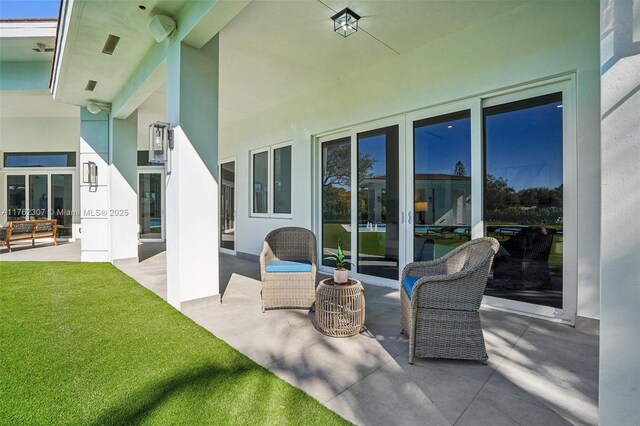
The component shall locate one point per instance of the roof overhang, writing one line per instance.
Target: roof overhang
(135, 65)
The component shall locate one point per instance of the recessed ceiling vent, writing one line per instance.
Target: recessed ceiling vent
(110, 45)
(91, 84)
(42, 48)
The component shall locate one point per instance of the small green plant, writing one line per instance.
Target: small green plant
(341, 261)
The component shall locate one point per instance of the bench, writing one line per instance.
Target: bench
(24, 230)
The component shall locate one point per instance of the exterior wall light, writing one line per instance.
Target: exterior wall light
(160, 139)
(345, 22)
(90, 173)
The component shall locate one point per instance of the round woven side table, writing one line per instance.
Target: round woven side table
(340, 308)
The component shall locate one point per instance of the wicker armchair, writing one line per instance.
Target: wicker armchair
(441, 314)
(288, 290)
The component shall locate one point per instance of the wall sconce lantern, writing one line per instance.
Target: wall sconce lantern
(90, 173)
(160, 139)
(345, 22)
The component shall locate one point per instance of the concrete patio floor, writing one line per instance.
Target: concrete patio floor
(538, 372)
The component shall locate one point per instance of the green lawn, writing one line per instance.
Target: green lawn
(85, 344)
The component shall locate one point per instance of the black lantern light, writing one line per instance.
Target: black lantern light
(345, 22)
(160, 138)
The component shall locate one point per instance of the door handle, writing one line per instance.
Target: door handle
(402, 217)
(409, 217)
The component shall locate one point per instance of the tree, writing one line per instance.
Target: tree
(498, 193)
(460, 170)
(337, 167)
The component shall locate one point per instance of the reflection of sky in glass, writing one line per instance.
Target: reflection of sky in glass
(438, 147)
(36, 160)
(375, 146)
(525, 146)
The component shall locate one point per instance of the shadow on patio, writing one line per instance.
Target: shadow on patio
(538, 372)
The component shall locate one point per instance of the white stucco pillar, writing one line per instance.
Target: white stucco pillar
(123, 199)
(94, 197)
(192, 187)
(620, 213)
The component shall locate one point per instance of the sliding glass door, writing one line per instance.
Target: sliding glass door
(378, 205)
(16, 197)
(367, 222)
(523, 189)
(42, 195)
(335, 198)
(441, 184)
(488, 166)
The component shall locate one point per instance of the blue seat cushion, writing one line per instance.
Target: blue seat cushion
(288, 266)
(408, 283)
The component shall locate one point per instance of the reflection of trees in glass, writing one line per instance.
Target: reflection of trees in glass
(336, 181)
(460, 169)
(338, 166)
(526, 207)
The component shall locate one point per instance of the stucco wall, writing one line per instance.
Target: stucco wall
(38, 134)
(531, 42)
(620, 269)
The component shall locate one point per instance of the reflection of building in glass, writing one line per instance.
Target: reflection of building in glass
(439, 199)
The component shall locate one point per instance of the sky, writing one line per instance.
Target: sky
(12, 9)
(524, 147)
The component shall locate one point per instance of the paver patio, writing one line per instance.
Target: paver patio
(538, 372)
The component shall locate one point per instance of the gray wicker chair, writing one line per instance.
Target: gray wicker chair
(442, 315)
(288, 290)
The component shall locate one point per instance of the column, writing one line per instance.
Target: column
(620, 217)
(123, 184)
(192, 188)
(94, 198)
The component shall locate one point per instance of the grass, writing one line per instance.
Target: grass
(85, 344)
(374, 242)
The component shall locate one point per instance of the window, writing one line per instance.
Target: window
(271, 168)
(523, 187)
(41, 195)
(282, 180)
(40, 159)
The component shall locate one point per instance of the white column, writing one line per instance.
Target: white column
(192, 189)
(620, 235)
(94, 199)
(123, 200)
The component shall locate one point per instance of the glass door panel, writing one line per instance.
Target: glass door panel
(227, 205)
(378, 201)
(38, 197)
(61, 203)
(442, 184)
(16, 197)
(336, 198)
(150, 205)
(524, 199)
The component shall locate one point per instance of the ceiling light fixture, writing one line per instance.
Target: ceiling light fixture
(345, 22)
(42, 48)
(161, 27)
(97, 107)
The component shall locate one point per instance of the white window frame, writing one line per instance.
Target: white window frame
(270, 182)
(252, 154)
(566, 84)
(47, 171)
(272, 157)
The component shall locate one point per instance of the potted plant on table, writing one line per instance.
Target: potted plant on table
(341, 273)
